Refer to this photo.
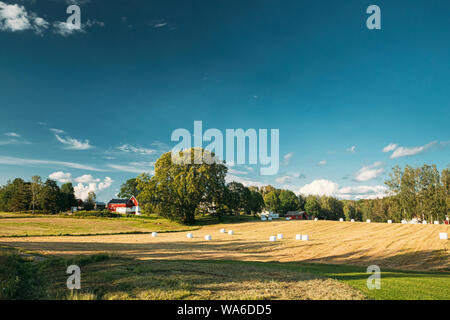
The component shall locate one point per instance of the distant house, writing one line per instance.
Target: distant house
(296, 215)
(125, 206)
(100, 206)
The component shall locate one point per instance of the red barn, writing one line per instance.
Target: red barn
(296, 215)
(124, 205)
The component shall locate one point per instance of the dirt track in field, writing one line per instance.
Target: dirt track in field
(414, 247)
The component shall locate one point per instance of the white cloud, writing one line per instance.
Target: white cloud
(322, 163)
(105, 184)
(82, 189)
(390, 147)
(369, 172)
(74, 144)
(35, 162)
(61, 176)
(86, 178)
(319, 187)
(129, 148)
(64, 29)
(352, 149)
(14, 17)
(329, 188)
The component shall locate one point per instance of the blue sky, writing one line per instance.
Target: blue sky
(97, 106)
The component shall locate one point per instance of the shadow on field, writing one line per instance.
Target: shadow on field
(434, 260)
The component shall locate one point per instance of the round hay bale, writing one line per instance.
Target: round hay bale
(436, 222)
(305, 237)
(272, 238)
(280, 236)
(443, 235)
(189, 235)
(352, 220)
(315, 219)
(208, 237)
(222, 230)
(389, 221)
(368, 221)
(230, 232)
(154, 234)
(298, 237)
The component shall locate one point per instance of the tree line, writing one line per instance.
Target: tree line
(38, 196)
(181, 191)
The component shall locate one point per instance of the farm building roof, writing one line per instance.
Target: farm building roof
(112, 201)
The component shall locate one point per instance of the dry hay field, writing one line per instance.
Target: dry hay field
(393, 246)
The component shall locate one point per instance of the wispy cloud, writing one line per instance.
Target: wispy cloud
(74, 144)
(322, 163)
(13, 138)
(49, 163)
(129, 148)
(289, 177)
(352, 149)
(390, 147)
(12, 134)
(134, 167)
(287, 157)
(411, 151)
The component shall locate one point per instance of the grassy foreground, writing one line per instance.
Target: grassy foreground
(114, 277)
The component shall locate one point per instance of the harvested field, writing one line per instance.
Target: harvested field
(394, 246)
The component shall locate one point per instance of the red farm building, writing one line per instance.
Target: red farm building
(296, 215)
(127, 206)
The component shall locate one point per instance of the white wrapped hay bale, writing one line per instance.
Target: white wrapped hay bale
(368, 221)
(230, 232)
(208, 237)
(222, 230)
(341, 219)
(315, 219)
(154, 234)
(298, 237)
(272, 238)
(424, 222)
(352, 220)
(436, 222)
(389, 221)
(280, 236)
(270, 219)
(443, 235)
(263, 218)
(189, 235)
(404, 222)
(305, 237)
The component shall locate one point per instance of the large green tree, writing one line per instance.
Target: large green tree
(67, 196)
(178, 188)
(129, 189)
(50, 197)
